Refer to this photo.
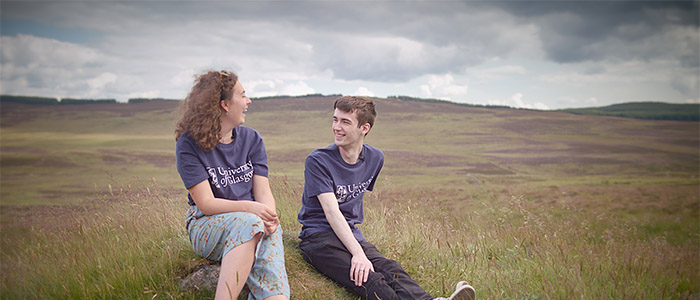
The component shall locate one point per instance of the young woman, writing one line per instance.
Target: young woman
(232, 216)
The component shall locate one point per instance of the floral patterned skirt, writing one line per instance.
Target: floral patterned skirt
(214, 236)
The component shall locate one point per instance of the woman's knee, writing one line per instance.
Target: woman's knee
(277, 235)
(250, 218)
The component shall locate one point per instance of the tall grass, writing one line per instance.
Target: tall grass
(512, 248)
(127, 244)
(131, 244)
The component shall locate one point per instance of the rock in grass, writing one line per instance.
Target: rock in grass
(203, 277)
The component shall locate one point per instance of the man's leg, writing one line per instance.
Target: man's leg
(403, 285)
(325, 252)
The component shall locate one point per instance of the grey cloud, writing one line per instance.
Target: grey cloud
(383, 41)
(581, 31)
(450, 35)
(687, 85)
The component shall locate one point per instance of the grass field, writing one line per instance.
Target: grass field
(522, 204)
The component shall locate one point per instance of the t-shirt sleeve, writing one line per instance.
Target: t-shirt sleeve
(189, 166)
(376, 174)
(258, 156)
(317, 178)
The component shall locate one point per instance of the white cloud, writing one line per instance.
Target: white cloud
(384, 58)
(443, 87)
(99, 82)
(261, 88)
(591, 101)
(266, 88)
(425, 91)
(363, 91)
(34, 52)
(516, 100)
(297, 89)
(145, 94)
(47, 67)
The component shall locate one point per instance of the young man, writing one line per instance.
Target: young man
(335, 179)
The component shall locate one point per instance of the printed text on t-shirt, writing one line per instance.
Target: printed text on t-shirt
(346, 192)
(223, 177)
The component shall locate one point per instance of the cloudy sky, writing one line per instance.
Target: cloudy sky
(532, 54)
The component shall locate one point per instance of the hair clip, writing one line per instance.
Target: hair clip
(223, 73)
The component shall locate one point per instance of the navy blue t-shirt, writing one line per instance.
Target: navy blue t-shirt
(228, 167)
(327, 172)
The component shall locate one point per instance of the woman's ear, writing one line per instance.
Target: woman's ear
(224, 105)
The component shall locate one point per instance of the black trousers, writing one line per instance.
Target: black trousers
(325, 252)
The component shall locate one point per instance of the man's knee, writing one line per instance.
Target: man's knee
(376, 287)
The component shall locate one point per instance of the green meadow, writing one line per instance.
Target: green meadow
(522, 204)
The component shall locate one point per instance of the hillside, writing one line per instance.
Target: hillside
(636, 110)
(644, 110)
(523, 204)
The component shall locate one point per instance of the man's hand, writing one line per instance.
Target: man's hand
(360, 267)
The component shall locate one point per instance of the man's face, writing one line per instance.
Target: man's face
(346, 130)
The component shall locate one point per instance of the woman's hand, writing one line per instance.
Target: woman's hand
(271, 227)
(268, 216)
(204, 198)
(263, 211)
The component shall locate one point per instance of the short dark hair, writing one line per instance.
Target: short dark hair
(364, 107)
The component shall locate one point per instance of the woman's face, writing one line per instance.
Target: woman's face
(236, 107)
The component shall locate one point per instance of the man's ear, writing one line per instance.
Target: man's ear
(365, 128)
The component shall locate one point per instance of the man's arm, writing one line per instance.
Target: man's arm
(360, 266)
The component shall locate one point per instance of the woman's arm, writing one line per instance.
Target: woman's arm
(263, 194)
(206, 202)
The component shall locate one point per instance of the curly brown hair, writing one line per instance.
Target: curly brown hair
(201, 110)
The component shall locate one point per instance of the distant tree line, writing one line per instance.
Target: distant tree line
(52, 101)
(302, 96)
(431, 100)
(142, 100)
(29, 100)
(70, 101)
(86, 101)
(637, 110)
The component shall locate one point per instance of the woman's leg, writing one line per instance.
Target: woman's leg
(268, 277)
(235, 267)
(231, 238)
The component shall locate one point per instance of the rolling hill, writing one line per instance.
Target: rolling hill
(523, 204)
(644, 110)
